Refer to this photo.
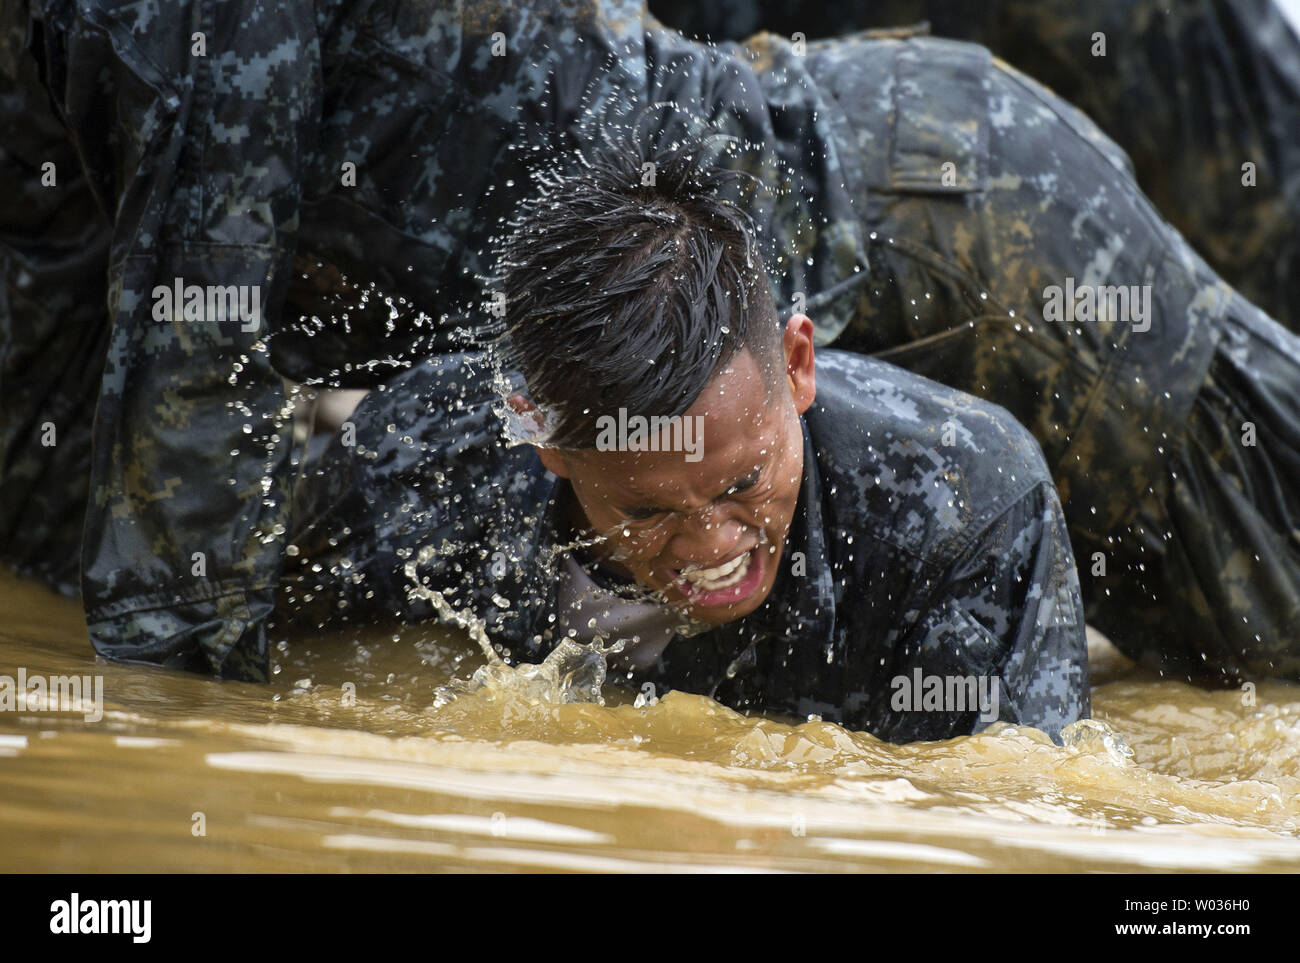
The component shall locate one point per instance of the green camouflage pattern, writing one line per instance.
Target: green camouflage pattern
(1190, 91)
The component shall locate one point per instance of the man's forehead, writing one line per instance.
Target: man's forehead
(649, 472)
(730, 444)
(727, 431)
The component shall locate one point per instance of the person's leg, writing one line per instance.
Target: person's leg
(53, 322)
(987, 200)
(188, 127)
(1218, 541)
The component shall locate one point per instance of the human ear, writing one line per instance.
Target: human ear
(551, 458)
(800, 371)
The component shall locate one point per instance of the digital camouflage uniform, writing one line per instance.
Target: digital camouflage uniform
(928, 541)
(375, 137)
(168, 165)
(218, 169)
(1191, 91)
(1175, 440)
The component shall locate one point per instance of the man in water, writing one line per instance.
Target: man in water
(925, 202)
(812, 533)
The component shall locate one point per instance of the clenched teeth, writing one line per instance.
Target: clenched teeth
(721, 576)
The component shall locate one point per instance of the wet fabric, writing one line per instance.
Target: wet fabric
(231, 168)
(959, 291)
(586, 612)
(376, 137)
(1208, 575)
(167, 164)
(1191, 91)
(928, 543)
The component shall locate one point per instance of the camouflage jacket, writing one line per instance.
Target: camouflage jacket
(924, 198)
(928, 549)
(206, 146)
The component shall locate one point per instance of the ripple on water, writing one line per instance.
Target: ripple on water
(360, 770)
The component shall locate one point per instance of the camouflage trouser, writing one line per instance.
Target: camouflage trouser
(1192, 91)
(1221, 541)
(141, 457)
(1174, 438)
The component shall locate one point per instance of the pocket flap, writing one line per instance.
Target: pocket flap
(940, 117)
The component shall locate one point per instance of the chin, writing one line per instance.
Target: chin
(720, 615)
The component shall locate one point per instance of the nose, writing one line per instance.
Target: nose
(706, 538)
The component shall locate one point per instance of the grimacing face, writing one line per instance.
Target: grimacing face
(706, 534)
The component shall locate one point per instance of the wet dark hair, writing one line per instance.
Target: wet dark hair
(630, 286)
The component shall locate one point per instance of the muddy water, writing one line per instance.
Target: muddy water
(350, 761)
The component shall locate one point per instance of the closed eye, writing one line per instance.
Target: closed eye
(640, 513)
(745, 484)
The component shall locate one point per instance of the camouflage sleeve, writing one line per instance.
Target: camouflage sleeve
(1012, 617)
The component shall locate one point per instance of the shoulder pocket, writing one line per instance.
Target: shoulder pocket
(940, 117)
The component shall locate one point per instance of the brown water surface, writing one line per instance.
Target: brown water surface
(346, 763)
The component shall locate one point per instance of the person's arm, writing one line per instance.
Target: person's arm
(1006, 612)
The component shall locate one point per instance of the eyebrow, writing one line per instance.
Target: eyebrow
(649, 506)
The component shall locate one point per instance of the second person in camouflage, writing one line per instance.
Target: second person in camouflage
(385, 143)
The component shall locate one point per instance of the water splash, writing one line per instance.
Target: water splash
(572, 672)
(1096, 737)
